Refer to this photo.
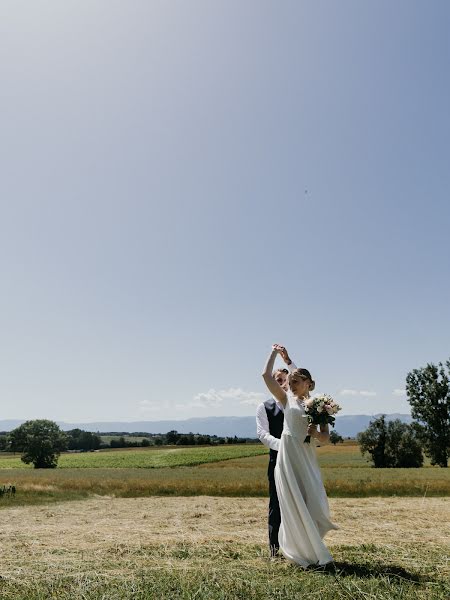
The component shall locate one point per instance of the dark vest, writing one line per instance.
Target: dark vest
(275, 417)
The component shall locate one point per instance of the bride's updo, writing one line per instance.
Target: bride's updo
(303, 374)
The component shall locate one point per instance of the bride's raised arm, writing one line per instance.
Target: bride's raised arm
(274, 388)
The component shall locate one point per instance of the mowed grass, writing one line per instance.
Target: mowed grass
(215, 549)
(235, 471)
(237, 571)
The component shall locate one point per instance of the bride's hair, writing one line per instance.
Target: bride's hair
(302, 374)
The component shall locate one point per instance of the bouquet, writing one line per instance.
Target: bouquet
(320, 410)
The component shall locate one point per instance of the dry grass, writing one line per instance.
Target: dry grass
(235, 477)
(210, 547)
(63, 533)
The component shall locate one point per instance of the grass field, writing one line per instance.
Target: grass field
(231, 471)
(112, 526)
(207, 548)
(144, 458)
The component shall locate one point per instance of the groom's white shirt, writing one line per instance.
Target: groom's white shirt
(262, 422)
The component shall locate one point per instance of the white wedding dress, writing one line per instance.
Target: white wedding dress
(305, 515)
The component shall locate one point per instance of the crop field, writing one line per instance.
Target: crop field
(231, 471)
(144, 458)
(207, 548)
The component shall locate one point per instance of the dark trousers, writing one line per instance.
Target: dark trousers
(274, 509)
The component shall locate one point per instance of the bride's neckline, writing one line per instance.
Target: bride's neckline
(298, 401)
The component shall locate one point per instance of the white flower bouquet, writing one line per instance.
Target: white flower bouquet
(320, 410)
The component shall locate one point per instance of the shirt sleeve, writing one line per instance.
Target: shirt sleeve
(262, 429)
(292, 367)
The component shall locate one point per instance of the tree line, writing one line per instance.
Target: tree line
(41, 441)
(173, 438)
(388, 444)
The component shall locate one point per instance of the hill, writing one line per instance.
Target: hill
(347, 426)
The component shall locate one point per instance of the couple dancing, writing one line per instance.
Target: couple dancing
(299, 516)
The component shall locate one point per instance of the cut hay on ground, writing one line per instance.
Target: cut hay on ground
(75, 535)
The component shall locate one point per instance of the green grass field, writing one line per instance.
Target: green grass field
(215, 471)
(144, 458)
(240, 572)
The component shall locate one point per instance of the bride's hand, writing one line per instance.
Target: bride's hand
(276, 348)
(312, 430)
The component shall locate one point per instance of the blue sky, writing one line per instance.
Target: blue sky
(185, 183)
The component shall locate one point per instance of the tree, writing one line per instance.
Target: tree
(172, 437)
(83, 440)
(393, 444)
(428, 392)
(40, 441)
(335, 438)
(373, 441)
(3, 442)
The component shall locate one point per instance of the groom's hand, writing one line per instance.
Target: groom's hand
(284, 355)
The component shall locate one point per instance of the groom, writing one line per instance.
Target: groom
(269, 425)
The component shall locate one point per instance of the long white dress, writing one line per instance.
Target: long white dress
(305, 514)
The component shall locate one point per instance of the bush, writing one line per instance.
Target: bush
(390, 445)
(335, 438)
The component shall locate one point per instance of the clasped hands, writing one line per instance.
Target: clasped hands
(282, 352)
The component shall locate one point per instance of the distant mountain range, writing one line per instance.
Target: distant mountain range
(347, 426)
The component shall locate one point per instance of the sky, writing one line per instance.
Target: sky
(185, 183)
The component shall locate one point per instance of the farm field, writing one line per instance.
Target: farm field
(345, 473)
(215, 549)
(144, 458)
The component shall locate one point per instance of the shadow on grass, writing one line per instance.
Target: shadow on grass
(350, 569)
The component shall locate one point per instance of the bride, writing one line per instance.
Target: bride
(305, 515)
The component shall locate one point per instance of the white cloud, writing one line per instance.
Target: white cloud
(398, 392)
(147, 406)
(215, 398)
(349, 392)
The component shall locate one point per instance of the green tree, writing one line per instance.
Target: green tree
(373, 441)
(83, 440)
(428, 392)
(40, 441)
(393, 444)
(335, 438)
(172, 437)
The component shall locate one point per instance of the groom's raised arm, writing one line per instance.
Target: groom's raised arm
(287, 359)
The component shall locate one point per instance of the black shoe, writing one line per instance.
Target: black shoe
(275, 553)
(274, 550)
